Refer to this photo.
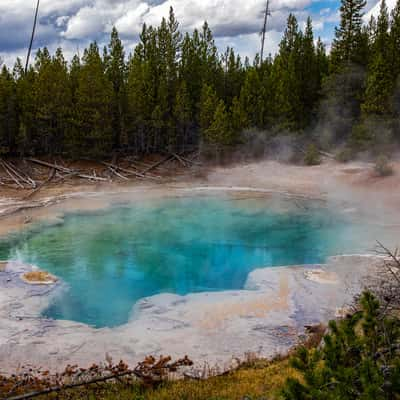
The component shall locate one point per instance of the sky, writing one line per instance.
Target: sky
(72, 24)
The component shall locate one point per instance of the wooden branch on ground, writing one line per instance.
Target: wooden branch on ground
(22, 175)
(66, 170)
(157, 164)
(141, 165)
(7, 183)
(195, 156)
(38, 188)
(325, 154)
(62, 178)
(187, 160)
(150, 372)
(17, 175)
(179, 159)
(115, 172)
(15, 179)
(57, 389)
(128, 171)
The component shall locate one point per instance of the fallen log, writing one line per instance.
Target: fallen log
(61, 178)
(48, 165)
(325, 154)
(8, 184)
(187, 160)
(179, 159)
(142, 166)
(60, 388)
(130, 172)
(11, 175)
(115, 172)
(157, 164)
(66, 170)
(38, 188)
(90, 177)
(150, 372)
(20, 174)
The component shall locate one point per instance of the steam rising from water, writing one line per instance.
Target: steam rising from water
(111, 258)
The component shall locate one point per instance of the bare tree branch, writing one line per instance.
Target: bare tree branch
(32, 37)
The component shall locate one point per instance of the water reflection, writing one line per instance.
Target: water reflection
(111, 259)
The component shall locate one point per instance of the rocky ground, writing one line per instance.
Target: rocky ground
(266, 318)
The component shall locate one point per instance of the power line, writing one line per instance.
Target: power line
(264, 30)
(32, 37)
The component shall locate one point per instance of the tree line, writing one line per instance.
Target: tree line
(175, 91)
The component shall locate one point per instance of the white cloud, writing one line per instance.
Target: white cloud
(70, 23)
(374, 11)
(131, 22)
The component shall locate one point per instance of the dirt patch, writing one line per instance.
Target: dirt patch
(217, 314)
(320, 276)
(3, 266)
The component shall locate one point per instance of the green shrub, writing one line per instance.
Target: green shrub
(382, 166)
(359, 359)
(361, 138)
(344, 155)
(312, 156)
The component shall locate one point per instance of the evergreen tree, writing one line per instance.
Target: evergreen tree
(116, 71)
(309, 76)
(379, 87)
(356, 361)
(190, 70)
(211, 67)
(93, 112)
(251, 99)
(166, 95)
(233, 75)
(27, 139)
(220, 131)
(322, 62)
(288, 108)
(53, 97)
(381, 42)
(239, 119)
(394, 41)
(208, 105)
(8, 113)
(348, 45)
(183, 117)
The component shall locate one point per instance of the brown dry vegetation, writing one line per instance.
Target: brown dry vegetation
(38, 277)
(97, 173)
(256, 380)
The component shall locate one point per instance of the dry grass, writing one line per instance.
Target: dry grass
(3, 265)
(252, 382)
(256, 380)
(38, 277)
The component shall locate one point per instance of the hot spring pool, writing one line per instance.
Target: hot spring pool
(109, 259)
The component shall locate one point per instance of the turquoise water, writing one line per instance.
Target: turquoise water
(109, 259)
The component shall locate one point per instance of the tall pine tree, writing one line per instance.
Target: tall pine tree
(93, 111)
(116, 73)
(348, 45)
(379, 87)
